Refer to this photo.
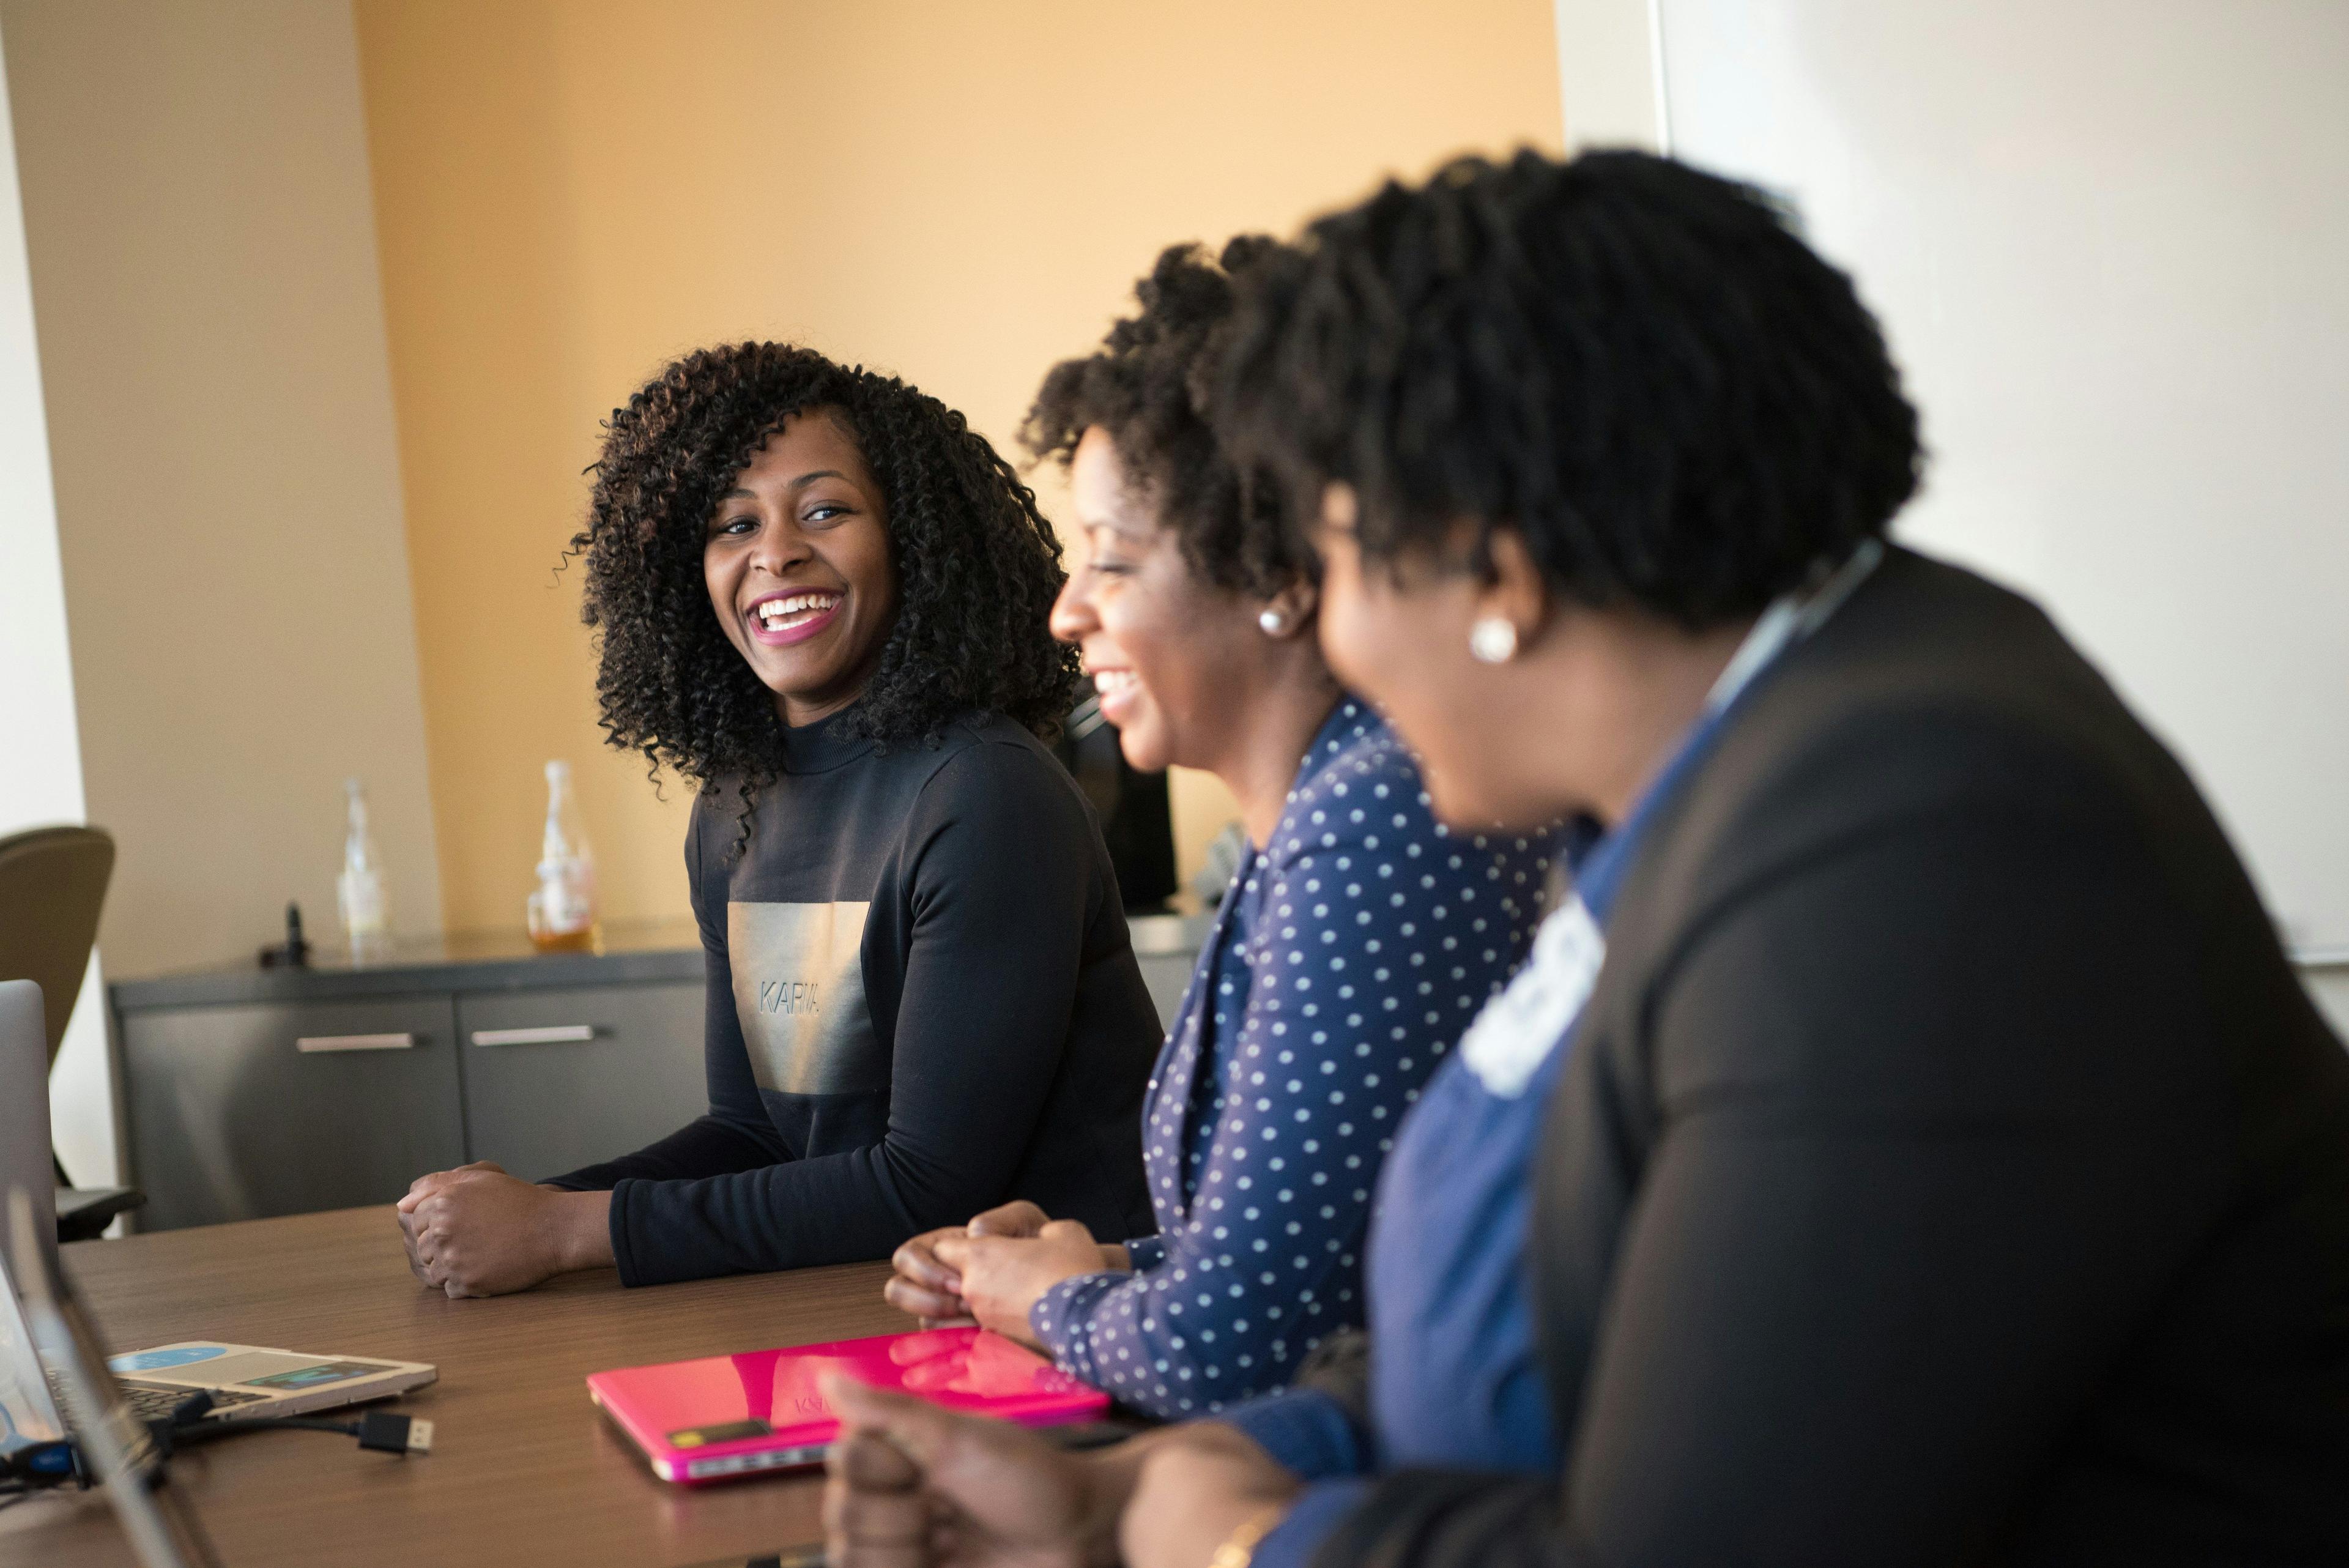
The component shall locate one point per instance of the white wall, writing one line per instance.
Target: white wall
(2110, 244)
(1611, 83)
(40, 754)
(197, 211)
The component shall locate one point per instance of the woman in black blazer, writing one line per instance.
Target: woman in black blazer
(1947, 1167)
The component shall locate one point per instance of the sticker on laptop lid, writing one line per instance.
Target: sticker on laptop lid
(157, 1360)
(724, 1432)
(315, 1376)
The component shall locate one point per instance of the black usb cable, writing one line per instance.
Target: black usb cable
(384, 1432)
(44, 1466)
(39, 1467)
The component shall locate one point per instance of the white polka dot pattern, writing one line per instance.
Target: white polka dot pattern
(1347, 958)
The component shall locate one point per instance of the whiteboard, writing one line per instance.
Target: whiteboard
(2110, 245)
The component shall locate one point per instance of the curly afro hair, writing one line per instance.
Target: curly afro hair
(1147, 387)
(1678, 404)
(978, 566)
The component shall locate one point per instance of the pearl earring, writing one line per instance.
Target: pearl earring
(1273, 622)
(1494, 639)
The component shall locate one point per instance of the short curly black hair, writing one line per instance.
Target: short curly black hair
(1677, 403)
(1146, 385)
(978, 566)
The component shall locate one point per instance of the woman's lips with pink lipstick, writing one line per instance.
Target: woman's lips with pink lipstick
(780, 620)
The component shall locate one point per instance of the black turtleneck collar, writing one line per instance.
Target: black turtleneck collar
(820, 747)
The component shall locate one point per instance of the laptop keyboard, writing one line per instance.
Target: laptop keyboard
(153, 1404)
(150, 1403)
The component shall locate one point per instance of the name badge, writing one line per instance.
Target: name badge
(1518, 1029)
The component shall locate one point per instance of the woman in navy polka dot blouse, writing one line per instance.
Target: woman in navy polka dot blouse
(1358, 939)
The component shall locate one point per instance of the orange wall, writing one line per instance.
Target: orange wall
(568, 191)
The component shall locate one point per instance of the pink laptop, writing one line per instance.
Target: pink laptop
(727, 1415)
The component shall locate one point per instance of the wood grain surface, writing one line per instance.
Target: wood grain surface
(524, 1469)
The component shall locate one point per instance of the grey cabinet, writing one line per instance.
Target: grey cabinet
(555, 1079)
(243, 1112)
(246, 1112)
(250, 1093)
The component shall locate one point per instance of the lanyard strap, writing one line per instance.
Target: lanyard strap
(1791, 617)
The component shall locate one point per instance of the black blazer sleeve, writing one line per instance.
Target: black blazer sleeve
(1921, 1111)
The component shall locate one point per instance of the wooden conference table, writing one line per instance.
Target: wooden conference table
(524, 1470)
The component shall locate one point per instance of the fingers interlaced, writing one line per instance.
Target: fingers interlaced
(917, 1260)
(875, 1512)
(927, 1304)
(1017, 1217)
(870, 1462)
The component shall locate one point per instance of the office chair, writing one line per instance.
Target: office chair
(52, 886)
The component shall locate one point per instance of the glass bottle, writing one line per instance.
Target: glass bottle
(563, 908)
(359, 891)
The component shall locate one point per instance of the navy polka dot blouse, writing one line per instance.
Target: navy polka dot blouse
(1347, 958)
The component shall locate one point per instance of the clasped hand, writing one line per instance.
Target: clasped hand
(476, 1232)
(995, 1269)
(910, 1484)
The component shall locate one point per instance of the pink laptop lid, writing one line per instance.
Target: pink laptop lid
(727, 1415)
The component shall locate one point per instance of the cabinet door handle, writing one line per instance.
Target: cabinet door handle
(313, 1043)
(553, 1034)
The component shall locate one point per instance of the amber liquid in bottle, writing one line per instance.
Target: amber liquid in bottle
(581, 941)
(563, 913)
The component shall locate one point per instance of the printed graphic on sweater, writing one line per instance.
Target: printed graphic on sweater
(799, 992)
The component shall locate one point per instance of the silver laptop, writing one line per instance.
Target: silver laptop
(244, 1380)
(51, 1335)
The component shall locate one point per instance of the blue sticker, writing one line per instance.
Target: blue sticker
(156, 1360)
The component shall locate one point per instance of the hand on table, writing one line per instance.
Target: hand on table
(908, 1484)
(476, 1232)
(1195, 1491)
(999, 1278)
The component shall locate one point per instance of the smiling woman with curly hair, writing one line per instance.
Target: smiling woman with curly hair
(977, 566)
(821, 597)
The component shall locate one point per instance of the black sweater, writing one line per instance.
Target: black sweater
(922, 1003)
(1949, 1168)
